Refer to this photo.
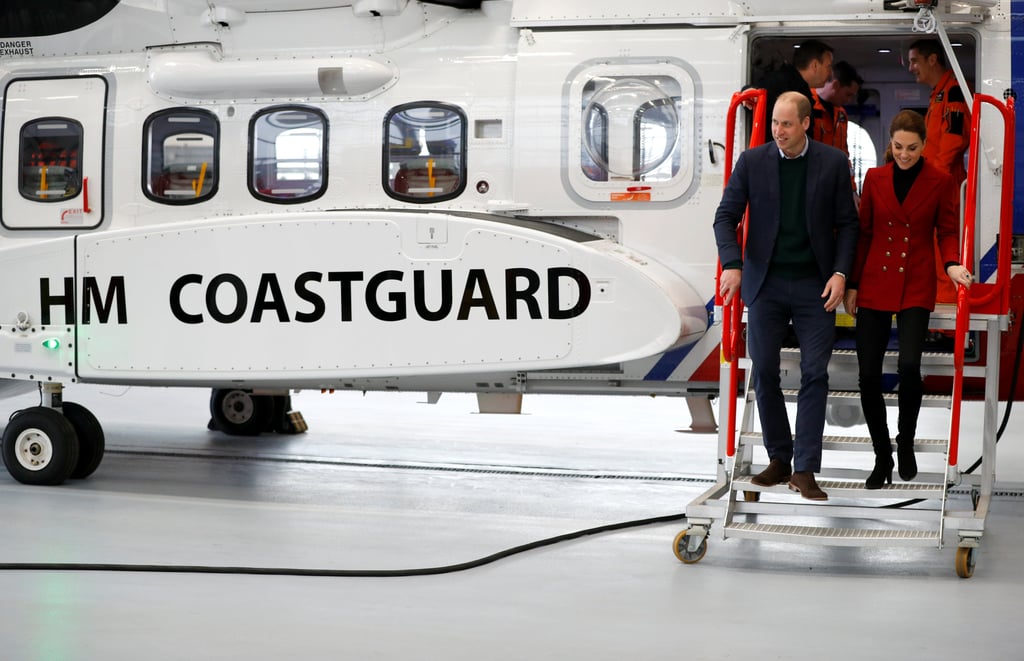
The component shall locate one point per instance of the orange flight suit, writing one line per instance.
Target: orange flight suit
(947, 124)
(829, 127)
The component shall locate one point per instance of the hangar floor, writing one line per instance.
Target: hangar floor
(383, 482)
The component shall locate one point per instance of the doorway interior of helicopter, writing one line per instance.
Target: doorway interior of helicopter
(889, 87)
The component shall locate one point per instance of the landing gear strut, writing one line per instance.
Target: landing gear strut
(243, 413)
(47, 444)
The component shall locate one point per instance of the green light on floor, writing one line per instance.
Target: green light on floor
(52, 343)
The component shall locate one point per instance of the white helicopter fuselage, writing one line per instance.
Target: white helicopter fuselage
(546, 227)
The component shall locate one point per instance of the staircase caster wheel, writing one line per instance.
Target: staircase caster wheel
(965, 561)
(752, 496)
(681, 544)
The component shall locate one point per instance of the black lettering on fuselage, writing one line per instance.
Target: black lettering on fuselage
(346, 278)
(176, 309)
(419, 296)
(385, 297)
(397, 298)
(528, 295)
(92, 297)
(241, 298)
(309, 296)
(115, 295)
(48, 300)
(269, 285)
(582, 284)
(477, 278)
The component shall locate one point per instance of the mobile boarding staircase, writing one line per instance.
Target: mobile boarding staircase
(867, 517)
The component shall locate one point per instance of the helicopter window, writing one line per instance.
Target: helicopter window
(51, 153)
(424, 152)
(630, 129)
(288, 148)
(182, 147)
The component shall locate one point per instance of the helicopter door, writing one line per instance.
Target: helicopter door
(53, 153)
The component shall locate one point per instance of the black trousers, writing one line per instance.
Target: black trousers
(873, 331)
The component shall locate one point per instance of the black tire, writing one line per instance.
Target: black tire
(91, 441)
(40, 446)
(240, 413)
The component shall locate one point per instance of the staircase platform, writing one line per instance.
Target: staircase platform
(855, 443)
(836, 488)
(834, 536)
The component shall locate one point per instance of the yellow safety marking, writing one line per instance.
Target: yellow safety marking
(197, 185)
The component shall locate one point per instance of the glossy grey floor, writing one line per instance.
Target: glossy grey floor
(382, 481)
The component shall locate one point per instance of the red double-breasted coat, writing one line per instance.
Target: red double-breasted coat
(895, 264)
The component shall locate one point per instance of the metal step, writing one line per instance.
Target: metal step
(933, 363)
(852, 396)
(833, 536)
(853, 443)
(943, 317)
(836, 488)
(850, 356)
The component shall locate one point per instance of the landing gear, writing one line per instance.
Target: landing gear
(48, 444)
(91, 442)
(239, 412)
(242, 413)
(40, 446)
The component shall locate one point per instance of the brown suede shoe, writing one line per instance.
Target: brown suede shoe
(778, 471)
(804, 483)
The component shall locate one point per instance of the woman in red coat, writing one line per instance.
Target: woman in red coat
(907, 207)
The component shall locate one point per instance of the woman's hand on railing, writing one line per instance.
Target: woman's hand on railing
(960, 275)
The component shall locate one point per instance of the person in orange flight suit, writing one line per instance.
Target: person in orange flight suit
(829, 121)
(829, 117)
(947, 123)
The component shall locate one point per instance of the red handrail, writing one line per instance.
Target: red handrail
(982, 294)
(732, 313)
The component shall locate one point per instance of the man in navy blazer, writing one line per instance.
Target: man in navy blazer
(801, 242)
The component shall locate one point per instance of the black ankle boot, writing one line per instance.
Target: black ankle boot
(908, 462)
(882, 474)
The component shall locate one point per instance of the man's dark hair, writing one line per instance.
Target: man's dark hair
(844, 72)
(809, 50)
(929, 47)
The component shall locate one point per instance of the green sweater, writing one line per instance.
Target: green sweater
(793, 257)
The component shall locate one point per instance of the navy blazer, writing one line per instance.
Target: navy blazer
(832, 222)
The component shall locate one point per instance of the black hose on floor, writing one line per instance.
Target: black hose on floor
(337, 573)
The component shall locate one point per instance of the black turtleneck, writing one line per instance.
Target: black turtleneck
(902, 179)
